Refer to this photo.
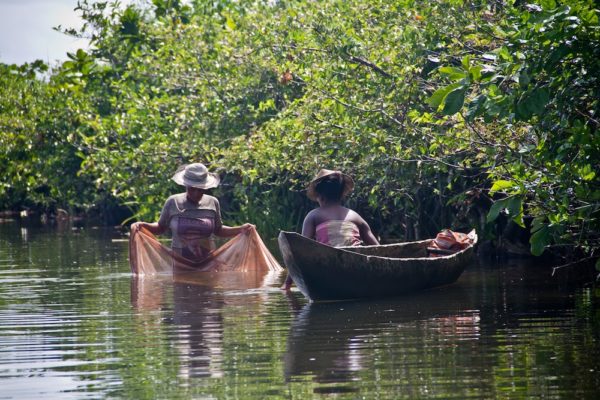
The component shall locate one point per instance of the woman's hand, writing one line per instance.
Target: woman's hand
(135, 227)
(247, 228)
(153, 227)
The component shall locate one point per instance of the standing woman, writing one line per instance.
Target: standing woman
(331, 223)
(193, 216)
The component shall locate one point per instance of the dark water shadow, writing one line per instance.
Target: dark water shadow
(330, 341)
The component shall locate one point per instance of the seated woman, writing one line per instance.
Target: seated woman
(331, 223)
(193, 216)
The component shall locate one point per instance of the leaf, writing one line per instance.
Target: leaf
(230, 23)
(538, 223)
(475, 72)
(498, 206)
(475, 107)
(539, 240)
(532, 103)
(453, 73)
(587, 173)
(538, 100)
(466, 61)
(454, 101)
(515, 210)
(505, 54)
(438, 96)
(522, 111)
(548, 4)
(514, 207)
(501, 185)
(81, 55)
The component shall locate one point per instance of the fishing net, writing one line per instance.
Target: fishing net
(243, 253)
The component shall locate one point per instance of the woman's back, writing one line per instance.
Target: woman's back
(338, 233)
(336, 226)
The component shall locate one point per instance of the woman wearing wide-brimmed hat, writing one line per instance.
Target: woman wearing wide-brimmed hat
(193, 216)
(331, 223)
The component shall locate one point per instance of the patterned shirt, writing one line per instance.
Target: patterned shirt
(191, 225)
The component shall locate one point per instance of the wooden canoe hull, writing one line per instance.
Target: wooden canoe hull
(323, 272)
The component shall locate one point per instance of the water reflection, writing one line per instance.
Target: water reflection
(147, 294)
(334, 342)
(194, 303)
(197, 316)
(73, 324)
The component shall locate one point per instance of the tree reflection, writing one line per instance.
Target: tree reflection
(198, 321)
(194, 302)
(342, 342)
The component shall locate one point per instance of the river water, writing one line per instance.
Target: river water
(75, 324)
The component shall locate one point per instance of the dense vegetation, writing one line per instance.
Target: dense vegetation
(449, 113)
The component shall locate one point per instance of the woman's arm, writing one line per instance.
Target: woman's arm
(366, 235)
(154, 227)
(308, 226)
(230, 231)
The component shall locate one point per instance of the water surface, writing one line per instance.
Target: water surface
(75, 324)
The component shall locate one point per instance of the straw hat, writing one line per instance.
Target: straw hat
(348, 183)
(196, 175)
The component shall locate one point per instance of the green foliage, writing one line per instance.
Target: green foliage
(39, 168)
(437, 109)
(536, 81)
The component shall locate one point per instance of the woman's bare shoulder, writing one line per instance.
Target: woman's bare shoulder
(312, 214)
(355, 217)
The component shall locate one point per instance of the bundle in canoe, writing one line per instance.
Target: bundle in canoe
(322, 272)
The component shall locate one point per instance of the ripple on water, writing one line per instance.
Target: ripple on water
(74, 324)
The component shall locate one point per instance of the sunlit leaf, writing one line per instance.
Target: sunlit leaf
(453, 73)
(500, 185)
(438, 96)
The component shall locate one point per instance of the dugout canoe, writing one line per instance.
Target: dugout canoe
(322, 272)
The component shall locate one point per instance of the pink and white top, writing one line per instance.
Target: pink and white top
(338, 233)
(192, 225)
